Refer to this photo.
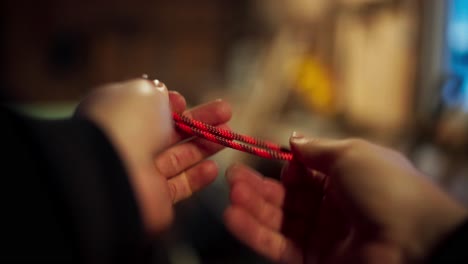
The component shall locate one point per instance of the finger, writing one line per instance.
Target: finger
(214, 113)
(250, 200)
(178, 103)
(297, 176)
(208, 146)
(271, 190)
(319, 154)
(185, 184)
(261, 239)
(306, 190)
(180, 157)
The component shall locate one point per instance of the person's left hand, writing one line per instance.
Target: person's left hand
(164, 165)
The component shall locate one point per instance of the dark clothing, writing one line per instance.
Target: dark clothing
(65, 195)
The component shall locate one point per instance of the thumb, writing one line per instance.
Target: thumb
(317, 154)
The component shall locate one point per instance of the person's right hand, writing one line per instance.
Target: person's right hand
(367, 204)
(164, 165)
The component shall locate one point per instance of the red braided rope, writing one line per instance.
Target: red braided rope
(227, 138)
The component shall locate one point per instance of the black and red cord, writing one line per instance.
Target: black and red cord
(228, 138)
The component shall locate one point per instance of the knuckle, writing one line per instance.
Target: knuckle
(180, 188)
(190, 153)
(264, 213)
(264, 239)
(269, 242)
(272, 217)
(175, 162)
(182, 157)
(173, 191)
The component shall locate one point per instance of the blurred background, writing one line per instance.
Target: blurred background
(391, 71)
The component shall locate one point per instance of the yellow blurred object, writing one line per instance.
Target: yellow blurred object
(315, 86)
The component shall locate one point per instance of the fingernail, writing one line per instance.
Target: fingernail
(158, 84)
(144, 76)
(297, 138)
(296, 135)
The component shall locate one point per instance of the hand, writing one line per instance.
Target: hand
(163, 167)
(362, 204)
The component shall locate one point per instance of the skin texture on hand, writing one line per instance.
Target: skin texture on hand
(340, 201)
(163, 165)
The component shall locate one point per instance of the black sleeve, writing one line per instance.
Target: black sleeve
(453, 249)
(65, 195)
